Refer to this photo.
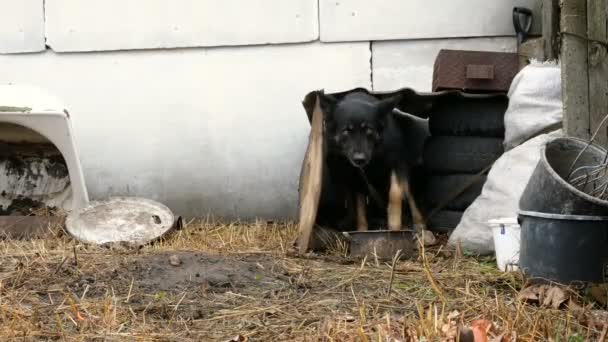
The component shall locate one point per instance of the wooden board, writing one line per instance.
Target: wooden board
(575, 80)
(550, 28)
(598, 68)
(311, 180)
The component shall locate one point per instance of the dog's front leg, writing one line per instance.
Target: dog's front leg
(350, 205)
(400, 189)
(361, 213)
(395, 200)
(417, 217)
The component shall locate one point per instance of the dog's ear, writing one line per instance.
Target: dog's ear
(328, 105)
(385, 107)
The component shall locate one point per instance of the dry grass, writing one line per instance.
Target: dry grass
(59, 289)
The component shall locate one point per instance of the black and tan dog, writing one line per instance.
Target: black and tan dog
(373, 148)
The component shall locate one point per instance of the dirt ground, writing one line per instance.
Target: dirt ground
(214, 282)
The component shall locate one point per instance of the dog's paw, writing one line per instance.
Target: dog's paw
(427, 238)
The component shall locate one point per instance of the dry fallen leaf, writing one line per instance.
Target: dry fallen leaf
(555, 297)
(586, 316)
(574, 307)
(600, 294)
(530, 294)
(449, 331)
(480, 328)
(596, 318)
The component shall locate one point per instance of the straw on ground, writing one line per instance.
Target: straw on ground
(255, 288)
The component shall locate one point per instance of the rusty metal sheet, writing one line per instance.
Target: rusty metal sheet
(480, 72)
(451, 68)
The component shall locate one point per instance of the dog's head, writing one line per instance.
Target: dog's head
(355, 125)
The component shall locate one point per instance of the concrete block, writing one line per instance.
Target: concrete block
(21, 26)
(77, 25)
(219, 131)
(398, 64)
(355, 20)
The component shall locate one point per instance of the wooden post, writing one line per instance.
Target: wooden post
(550, 22)
(598, 68)
(575, 79)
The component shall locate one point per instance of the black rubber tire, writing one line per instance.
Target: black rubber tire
(439, 188)
(449, 154)
(444, 221)
(469, 117)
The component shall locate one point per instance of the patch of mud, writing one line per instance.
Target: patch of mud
(161, 272)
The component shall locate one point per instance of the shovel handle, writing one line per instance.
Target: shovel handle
(522, 28)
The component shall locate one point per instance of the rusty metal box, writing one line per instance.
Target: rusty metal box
(474, 71)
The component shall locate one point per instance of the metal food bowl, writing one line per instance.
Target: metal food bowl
(381, 244)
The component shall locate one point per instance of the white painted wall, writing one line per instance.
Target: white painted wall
(89, 25)
(21, 26)
(356, 20)
(203, 130)
(221, 130)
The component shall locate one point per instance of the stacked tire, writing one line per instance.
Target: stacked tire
(467, 135)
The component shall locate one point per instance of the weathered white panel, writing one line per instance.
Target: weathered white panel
(90, 25)
(354, 20)
(218, 131)
(398, 64)
(21, 26)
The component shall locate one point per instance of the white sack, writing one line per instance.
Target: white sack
(500, 195)
(535, 103)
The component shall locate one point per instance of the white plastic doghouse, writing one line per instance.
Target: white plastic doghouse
(506, 232)
(35, 110)
(31, 118)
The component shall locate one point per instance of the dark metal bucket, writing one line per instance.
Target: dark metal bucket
(381, 244)
(549, 192)
(564, 248)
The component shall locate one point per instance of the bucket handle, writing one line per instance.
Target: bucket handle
(571, 169)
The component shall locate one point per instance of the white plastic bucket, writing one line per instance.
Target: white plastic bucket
(506, 233)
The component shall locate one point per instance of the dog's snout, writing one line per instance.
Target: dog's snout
(359, 159)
